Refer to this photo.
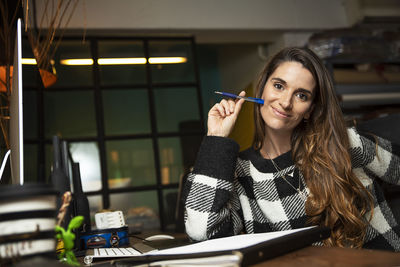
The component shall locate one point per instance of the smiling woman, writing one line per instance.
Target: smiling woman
(304, 167)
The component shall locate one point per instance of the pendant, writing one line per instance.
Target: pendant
(302, 194)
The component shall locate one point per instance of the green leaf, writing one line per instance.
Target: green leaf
(59, 229)
(75, 222)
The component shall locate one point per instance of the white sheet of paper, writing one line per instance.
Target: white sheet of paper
(225, 243)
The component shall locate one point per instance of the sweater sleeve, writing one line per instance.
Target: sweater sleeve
(211, 203)
(375, 156)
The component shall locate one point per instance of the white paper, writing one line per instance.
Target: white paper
(226, 243)
(213, 261)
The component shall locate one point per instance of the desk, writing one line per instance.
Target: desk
(332, 256)
(325, 256)
(306, 257)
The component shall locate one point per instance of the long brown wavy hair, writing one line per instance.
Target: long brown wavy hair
(320, 149)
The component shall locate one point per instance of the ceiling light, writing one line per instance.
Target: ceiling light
(28, 61)
(121, 61)
(76, 62)
(167, 60)
(125, 61)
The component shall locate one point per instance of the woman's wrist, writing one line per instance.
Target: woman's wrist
(216, 134)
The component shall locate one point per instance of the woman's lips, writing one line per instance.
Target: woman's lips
(280, 113)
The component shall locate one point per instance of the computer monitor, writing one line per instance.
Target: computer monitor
(16, 114)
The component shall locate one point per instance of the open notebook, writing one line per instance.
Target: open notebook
(243, 249)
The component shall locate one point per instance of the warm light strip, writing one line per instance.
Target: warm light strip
(76, 62)
(125, 61)
(167, 60)
(121, 61)
(114, 61)
(28, 61)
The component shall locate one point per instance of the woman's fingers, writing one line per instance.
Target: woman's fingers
(229, 106)
(222, 116)
(220, 109)
(225, 107)
(239, 103)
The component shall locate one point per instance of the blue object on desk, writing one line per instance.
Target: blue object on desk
(105, 238)
(251, 99)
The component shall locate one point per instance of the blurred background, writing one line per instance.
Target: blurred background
(128, 83)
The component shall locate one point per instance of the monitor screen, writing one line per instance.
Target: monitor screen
(16, 114)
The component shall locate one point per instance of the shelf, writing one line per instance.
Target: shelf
(366, 88)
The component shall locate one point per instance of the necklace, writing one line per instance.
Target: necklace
(302, 194)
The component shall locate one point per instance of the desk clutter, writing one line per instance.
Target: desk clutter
(53, 220)
(28, 220)
(111, 232)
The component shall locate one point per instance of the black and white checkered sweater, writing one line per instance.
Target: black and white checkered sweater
(230, 192)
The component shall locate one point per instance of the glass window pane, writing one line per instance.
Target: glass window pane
(49, 161)
(69, 114)
(170, 205)
(130, 163)
(73, 75)
(122, 74)
(172, 72)
(126, 112)
(30, 73)
(88, 157)
(30, 163)
(30, 114)
(95, 205)
(140, 209)
(190, 144)
(175, 105)
(171, 159)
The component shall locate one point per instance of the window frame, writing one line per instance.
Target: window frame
(101, 138)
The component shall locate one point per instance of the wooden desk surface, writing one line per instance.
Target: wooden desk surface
(322, 256)
(332, 256)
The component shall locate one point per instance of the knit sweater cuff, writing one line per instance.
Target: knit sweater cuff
(217, 157)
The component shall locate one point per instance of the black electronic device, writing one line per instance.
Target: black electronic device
(66, 176)
(81, 202)
(59, 179)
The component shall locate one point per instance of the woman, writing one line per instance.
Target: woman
(304, 168)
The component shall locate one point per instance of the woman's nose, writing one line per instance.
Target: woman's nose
(286, 100)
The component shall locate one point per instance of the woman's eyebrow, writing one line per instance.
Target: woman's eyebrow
(279, 80)
(303, 90)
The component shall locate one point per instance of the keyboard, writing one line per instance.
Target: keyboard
(105, 253)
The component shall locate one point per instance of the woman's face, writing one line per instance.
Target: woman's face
(288, 97)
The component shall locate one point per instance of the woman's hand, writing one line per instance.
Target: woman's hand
(222, 116)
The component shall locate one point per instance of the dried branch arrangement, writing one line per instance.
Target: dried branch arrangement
(46, 38)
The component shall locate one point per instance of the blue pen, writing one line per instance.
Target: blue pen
(251, 99)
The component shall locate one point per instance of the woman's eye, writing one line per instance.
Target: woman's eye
(302, 96)
(278, 86)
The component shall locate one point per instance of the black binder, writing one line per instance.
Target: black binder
(249, 255)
